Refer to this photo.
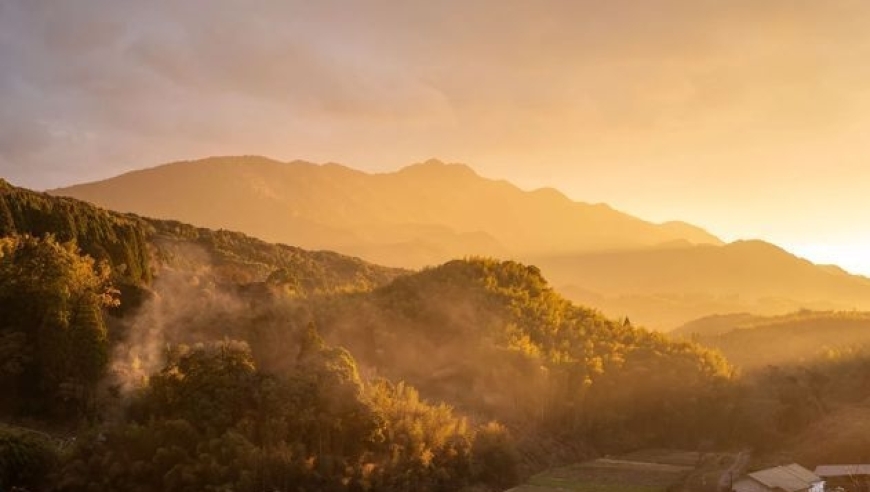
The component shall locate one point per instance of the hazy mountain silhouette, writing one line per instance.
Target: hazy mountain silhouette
(756, 342)
(661, 275)
(671, 285)
(423, 214)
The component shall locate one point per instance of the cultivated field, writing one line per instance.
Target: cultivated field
(650, 470)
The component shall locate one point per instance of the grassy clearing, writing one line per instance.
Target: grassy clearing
(664, 470)
(665, 456)
(585, 488)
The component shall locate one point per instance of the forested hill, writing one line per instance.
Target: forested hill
(805, 381)
(802, 337)
(136, 247)
(494, 336)
(254, 366)
(117, 238)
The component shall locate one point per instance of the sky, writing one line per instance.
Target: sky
(750, 118)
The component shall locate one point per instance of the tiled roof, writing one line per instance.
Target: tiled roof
(790, 478)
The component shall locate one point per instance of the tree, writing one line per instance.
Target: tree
(52, 323)
(210, 385)
(26, 458)
(495, 456)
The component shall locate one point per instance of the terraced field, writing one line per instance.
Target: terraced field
(642, 471)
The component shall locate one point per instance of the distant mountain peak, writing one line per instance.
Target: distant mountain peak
(550, 193)
(756, 245)
(690, 232)
(239, 159)
(388, 217)
(432, 211)
(435, 166)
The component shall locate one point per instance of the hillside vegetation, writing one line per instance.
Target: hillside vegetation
(805, 374)
(753, 342)
(229, 363)
(239, 364)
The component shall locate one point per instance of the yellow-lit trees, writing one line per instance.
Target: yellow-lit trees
(51, 325)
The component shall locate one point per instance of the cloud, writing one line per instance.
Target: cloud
(748, 117)
(92, 89)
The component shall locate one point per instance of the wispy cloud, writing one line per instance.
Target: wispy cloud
(677, 94)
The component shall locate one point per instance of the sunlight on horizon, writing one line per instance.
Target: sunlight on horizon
(853, 257)
(485, 246)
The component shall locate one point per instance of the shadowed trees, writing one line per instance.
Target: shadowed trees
(51, 325)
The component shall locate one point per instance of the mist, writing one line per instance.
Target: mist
(478, 246)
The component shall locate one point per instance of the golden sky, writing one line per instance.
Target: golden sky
(747, 117)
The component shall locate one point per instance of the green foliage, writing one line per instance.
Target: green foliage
(118, 239)
(561, 369)
(241, 259)
(496, 460)
(209, 385)
(52, 324)
(210, 420)
(286, 407)
(799, 407)
(26, 459)
(129, 244)
(799, 372)
(427, 447)
(165, 455)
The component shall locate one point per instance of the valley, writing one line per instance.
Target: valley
(477, 353)
(473, 246)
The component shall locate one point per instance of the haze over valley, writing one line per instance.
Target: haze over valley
(659, 275)
(477, 246)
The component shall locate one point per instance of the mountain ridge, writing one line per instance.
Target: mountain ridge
(333, 206)
(661, 275)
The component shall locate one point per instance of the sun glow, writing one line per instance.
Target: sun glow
(854, 257)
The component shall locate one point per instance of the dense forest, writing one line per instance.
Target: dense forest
(149, 355)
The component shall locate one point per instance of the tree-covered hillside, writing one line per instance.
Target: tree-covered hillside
(136, 248)
(232, 257)
(251, 366)
(494, 338)
(805, 337)
(119, 239)
(804, 382)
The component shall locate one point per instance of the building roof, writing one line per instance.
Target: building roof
(747, 484)
(842, 470)
(790, 478)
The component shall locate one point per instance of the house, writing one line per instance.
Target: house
(851, 478)
(787, 478)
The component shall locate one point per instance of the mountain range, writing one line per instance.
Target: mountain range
(660, 275)
(422, 214)
(209, 329)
